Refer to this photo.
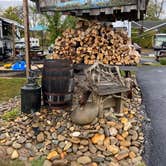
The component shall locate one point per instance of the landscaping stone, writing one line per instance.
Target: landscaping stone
(47, 163)
(9, 150)
(98, 138)
(15, 154)
(84, 160)
(76, 134)
(113, 131)
(60, 163)
(16, 145)
(122, 154)
(116, 139)
(40, 137)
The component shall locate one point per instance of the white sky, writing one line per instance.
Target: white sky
(7, 3)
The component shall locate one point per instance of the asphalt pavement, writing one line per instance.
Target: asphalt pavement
(152, 81)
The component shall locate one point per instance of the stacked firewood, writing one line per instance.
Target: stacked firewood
(93, 41)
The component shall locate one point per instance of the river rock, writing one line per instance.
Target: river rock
(101, 147)
(67, 146)
(84, 142)
(132, 155)
(106, 141)
(127, 126)
(75, 140)
(52, 155)
(60, 163)
(62, 145)
(114, 163)
(122, 154)
(16, 145)
(21, 140)
(84, 160)
(40, 137)
(125, 143)
(9, 150)
(14, 155)
(28, 145)
(74, 148)
(2, 152)
(134, 134)
(125, 134)
(113, 140)
(113, 131)
(61, 138)
(92, 148)
(98, 139)
(76, 134)
(113, 149)
(134, 149)
(47, 163)
(2, 136)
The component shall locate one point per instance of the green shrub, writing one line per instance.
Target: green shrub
(162, 61)
(145, 39)
(38, 162)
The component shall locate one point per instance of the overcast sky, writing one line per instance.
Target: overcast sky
(7, 3)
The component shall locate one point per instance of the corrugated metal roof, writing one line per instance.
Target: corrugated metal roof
(12, 22)
(147, 24)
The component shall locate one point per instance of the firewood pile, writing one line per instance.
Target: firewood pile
(93, 41)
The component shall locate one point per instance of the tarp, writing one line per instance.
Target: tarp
(21, 65)
(39, 28)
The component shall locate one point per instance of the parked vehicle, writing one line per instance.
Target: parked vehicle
(159, 45)
(5, 40)
(34, 43)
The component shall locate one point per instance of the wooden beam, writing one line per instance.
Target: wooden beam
(14, 36)
(26, 34)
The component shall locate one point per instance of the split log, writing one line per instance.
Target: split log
(92, 41)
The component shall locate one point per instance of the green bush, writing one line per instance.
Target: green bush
(145, 39)
(38, 162)
(162, 61)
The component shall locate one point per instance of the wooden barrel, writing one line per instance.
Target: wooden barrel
(57, 83)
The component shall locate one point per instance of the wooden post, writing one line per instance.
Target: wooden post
(14, 36)
(26, 34)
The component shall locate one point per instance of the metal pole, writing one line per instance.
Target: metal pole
(13, 34)
(26, 34)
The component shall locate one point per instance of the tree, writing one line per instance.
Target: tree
(57, 24)
(154, 9)
(14, 13)
(35, 17)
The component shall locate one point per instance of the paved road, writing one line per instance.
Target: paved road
(152, 81)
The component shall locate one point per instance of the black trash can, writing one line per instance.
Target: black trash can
(30, 97)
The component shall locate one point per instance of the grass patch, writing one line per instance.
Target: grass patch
(162, 61)
(11, 114)
(38, 162)
(10, 87)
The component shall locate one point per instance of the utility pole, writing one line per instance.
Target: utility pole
(26, 34)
